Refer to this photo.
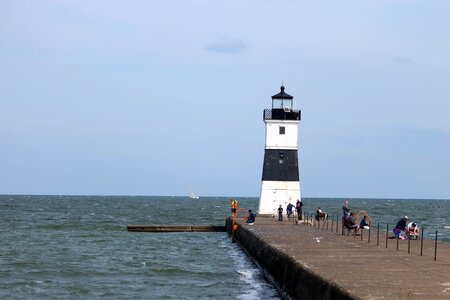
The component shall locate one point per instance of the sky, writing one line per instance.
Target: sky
(154, 97)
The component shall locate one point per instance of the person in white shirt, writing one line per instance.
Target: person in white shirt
(412, 229)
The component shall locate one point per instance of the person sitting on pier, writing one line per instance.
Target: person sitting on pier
(412, 231)
(350, 224)
(321, 214)
(364, 224)
(251, 217)
(401, 226)
(280, 213)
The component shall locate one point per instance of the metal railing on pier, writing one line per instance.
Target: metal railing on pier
(332, 224)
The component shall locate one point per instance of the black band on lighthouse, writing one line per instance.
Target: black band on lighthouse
(280, 165)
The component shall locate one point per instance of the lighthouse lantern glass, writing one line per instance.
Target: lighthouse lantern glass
(281, 103)
(287, 103)
(277, 103)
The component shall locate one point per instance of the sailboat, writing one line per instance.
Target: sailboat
(192, 195)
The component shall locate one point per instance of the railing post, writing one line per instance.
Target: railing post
(368, 238)
(409, 243)
(337, 223)
(435, 246)
(361, 233)
(421, 242)
(387, 233)
(332, 223)
(397, 242)
(378, 234)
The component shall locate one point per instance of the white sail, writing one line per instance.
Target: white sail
(193, 195)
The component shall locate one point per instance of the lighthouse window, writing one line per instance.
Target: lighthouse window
(282, 130)
(287, 103)
(277, 103)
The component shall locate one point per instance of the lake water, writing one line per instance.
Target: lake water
(78, 246)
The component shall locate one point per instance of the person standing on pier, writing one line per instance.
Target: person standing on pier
(345, 210)
(234, 206)
(298, 208)
(280, 213)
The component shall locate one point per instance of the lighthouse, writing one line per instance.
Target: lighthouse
(280, 175)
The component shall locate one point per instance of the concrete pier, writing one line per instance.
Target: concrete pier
(306, 262)
(175, 228)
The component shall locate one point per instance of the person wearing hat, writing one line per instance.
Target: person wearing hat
(412, 230)
(401, 226)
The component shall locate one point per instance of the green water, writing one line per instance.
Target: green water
(55, 247)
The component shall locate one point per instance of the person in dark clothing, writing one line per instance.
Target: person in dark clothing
(321, 214)
(299, 209)
(251, 217)
(345, 210)
(350, 223)
(280, 213)
(401, 226)
(364, 224)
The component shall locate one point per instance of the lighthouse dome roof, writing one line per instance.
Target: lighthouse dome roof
(282, 94)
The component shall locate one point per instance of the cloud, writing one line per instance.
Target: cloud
(227, 46)
(403, 60)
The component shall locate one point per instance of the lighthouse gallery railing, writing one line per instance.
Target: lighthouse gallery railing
(281, 114)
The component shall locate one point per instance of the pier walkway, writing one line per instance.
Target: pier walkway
(306, 262)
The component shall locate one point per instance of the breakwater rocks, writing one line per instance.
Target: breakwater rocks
(304, 262)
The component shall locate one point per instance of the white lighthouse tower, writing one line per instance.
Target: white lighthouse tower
(280, 175)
